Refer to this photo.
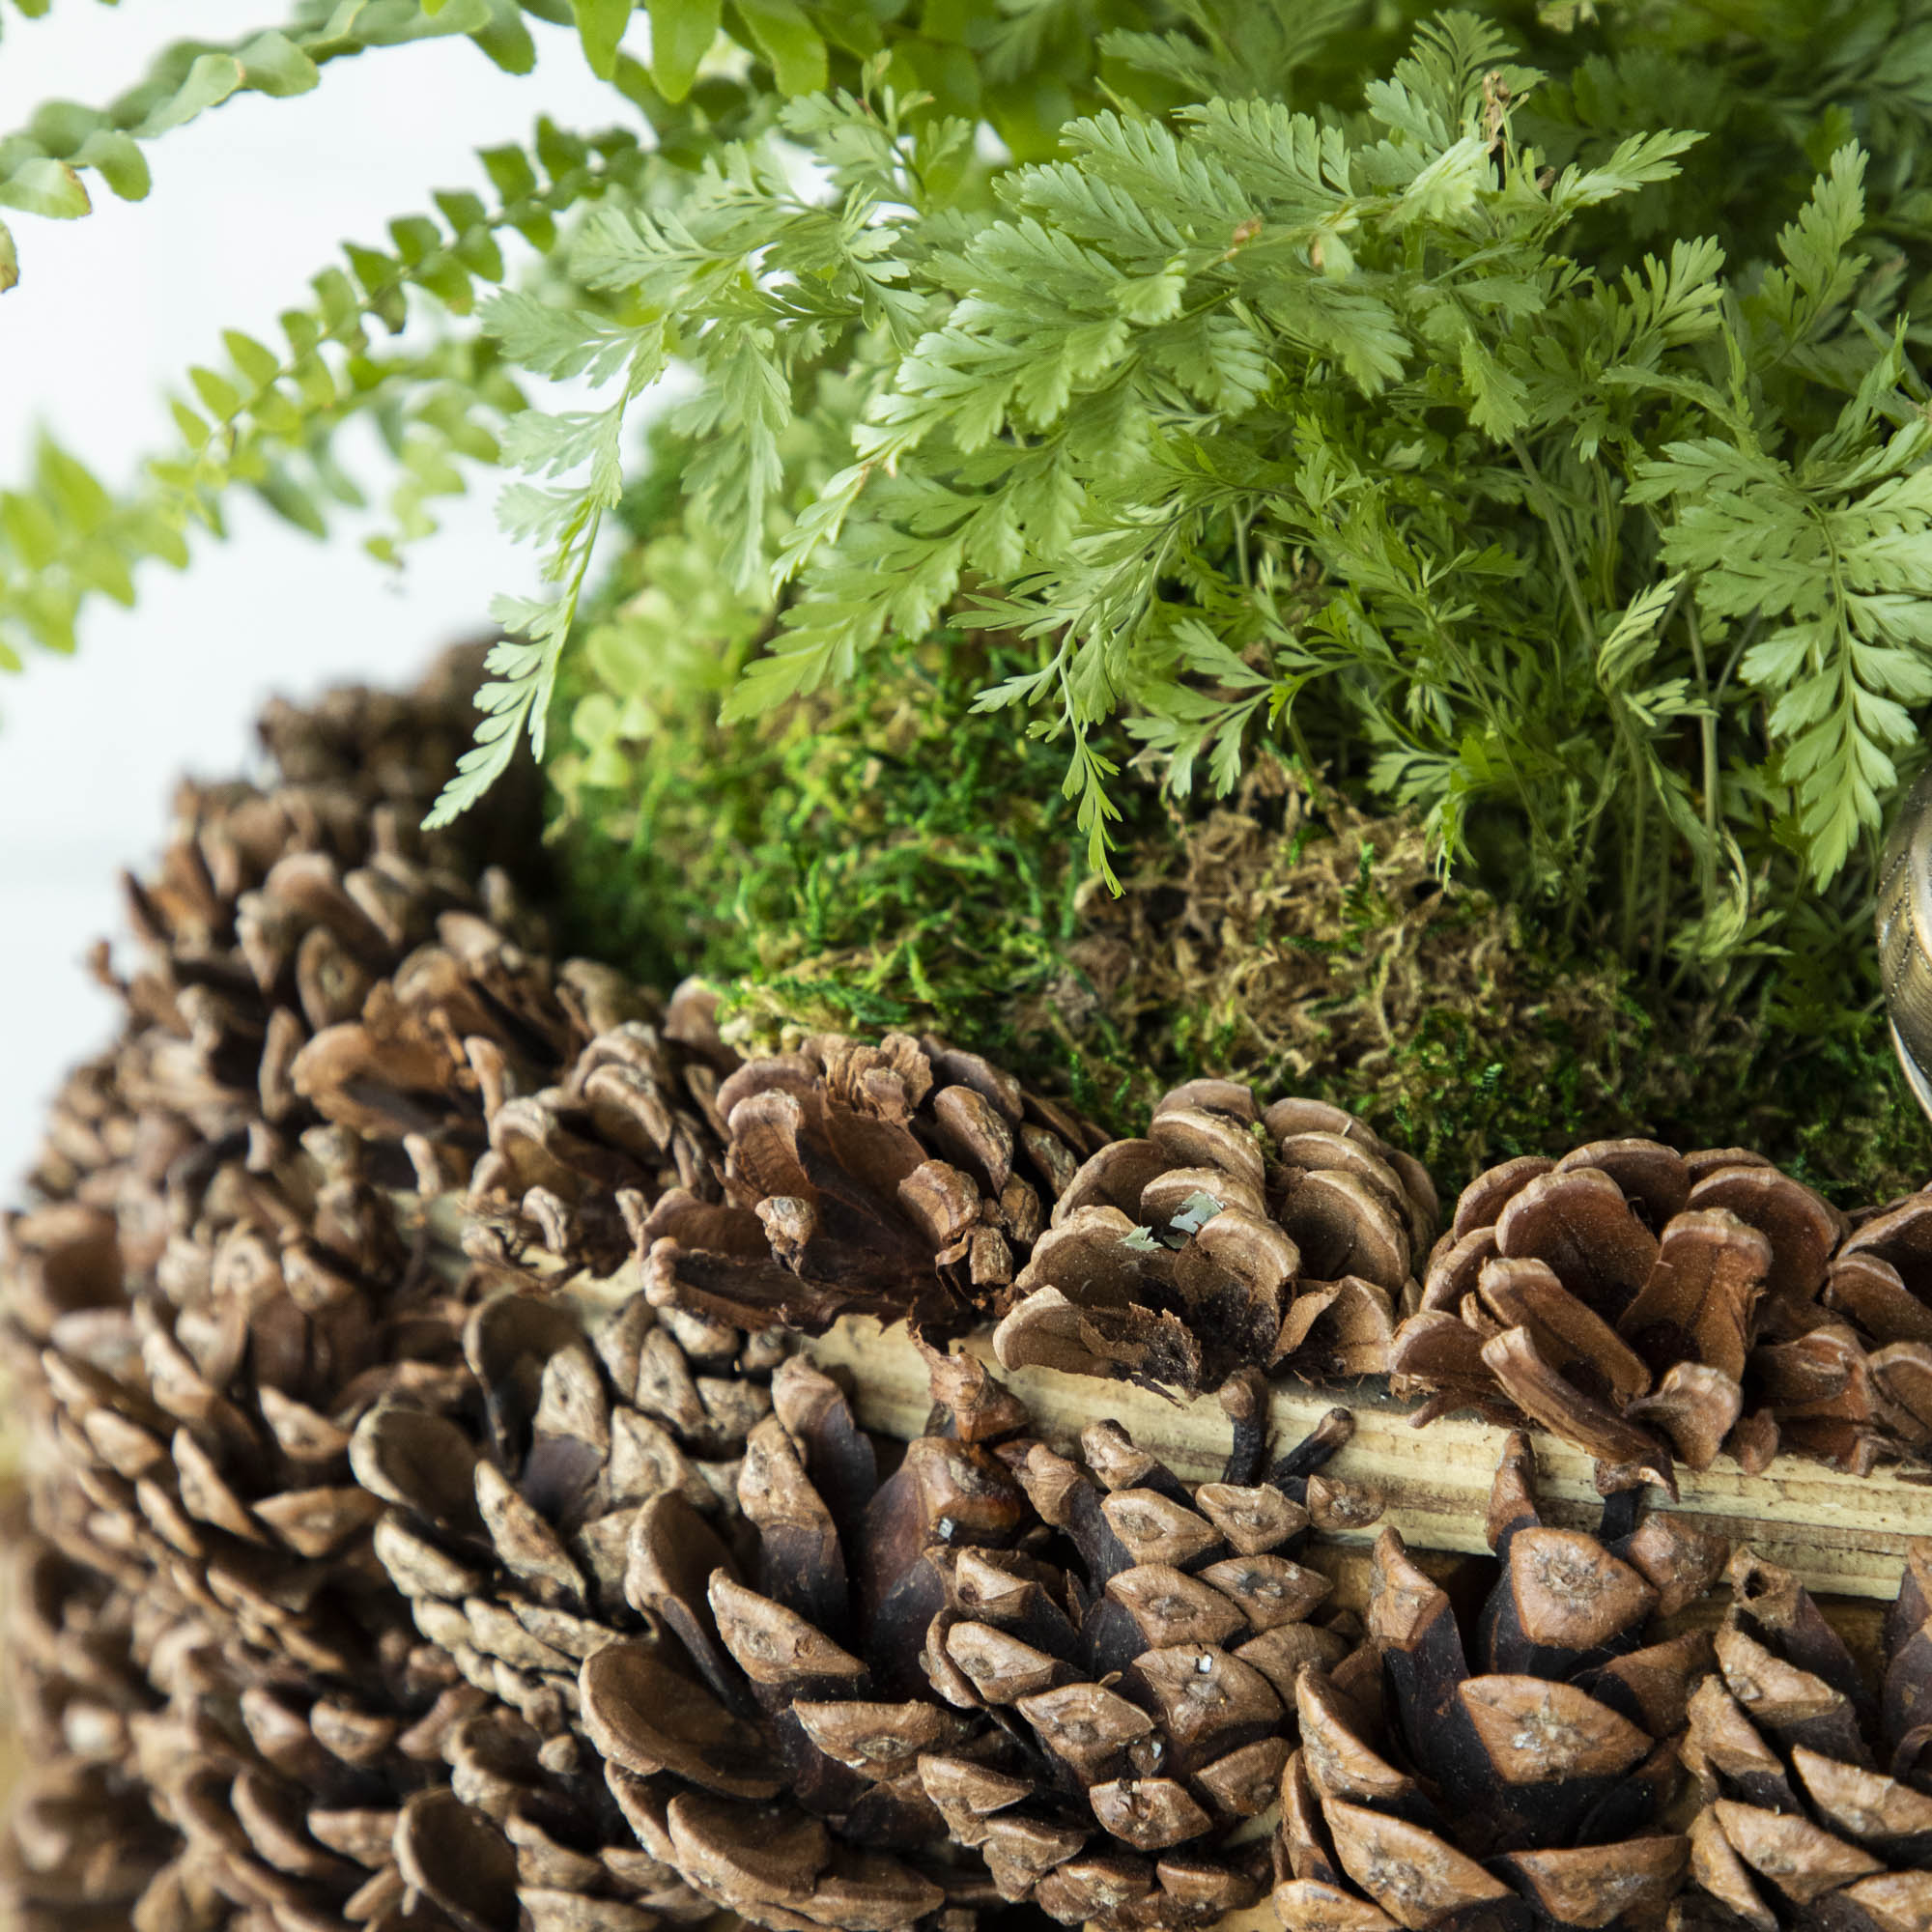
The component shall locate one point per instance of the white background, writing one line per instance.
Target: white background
(248, 203)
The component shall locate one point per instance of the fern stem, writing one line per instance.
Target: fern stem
(1743, 644)
(1659, 931)
(1634, 861)
(1707, 732)
(1546, 508)
(1608, 549)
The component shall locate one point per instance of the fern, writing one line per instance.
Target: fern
(45, 165)
(1264, 420)
(1338, 374)
(265, 418)
(42, 166)
(563, 519)
(1830, 562)
(776, 278)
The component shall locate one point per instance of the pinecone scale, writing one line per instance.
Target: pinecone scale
(1527, 1790)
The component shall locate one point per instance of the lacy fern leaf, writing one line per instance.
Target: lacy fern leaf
(1255, 418)
(265, 418)
(1349, 376)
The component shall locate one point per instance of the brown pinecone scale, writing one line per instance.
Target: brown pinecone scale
(220, 1283)
(1816, 1777)
(84, 1843)
(1229, 1237)
(1881, 1282)
(1529, 1788)
(906, 1180)
(877, 1694)
(1647, 1306)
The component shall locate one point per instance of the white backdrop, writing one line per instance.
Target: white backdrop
(248, 203)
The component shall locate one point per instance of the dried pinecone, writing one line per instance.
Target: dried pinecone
(862, 1703)
(1524, 1793)
(442, 1788)
(1228, 1238)
(622, 1149)
(907, 1179)
(193, 1445)
(218, 1281)
(310, 957)
(1638, 1302)
(1881, 1280)
(310, 951)
(84, 1843)
(218, 1284)
(188, 1459)
(1816, 1782)
(510, 1529)
(321, 1812)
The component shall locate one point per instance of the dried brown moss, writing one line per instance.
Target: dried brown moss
(1305, 944)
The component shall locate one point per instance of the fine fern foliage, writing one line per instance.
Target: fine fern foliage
(1259, 420)
(822, 273)
(1022, 63)
(266, 418)
(1509, 414)
(42, 166)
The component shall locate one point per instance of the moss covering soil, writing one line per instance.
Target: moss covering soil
(885, 859)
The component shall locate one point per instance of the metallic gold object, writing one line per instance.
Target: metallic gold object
(1905, 936)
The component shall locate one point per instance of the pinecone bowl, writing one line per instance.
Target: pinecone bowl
(455, 1501)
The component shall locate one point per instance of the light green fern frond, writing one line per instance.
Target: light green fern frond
(265, 418)
(751, 282)
(42, 166)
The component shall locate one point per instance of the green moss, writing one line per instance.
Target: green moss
(860, 863)
(887, 859)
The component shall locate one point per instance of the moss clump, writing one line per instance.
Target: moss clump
(885, 858)
(1308, 946)
(864, 862)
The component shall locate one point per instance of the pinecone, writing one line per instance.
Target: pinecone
(1643, 1305)
(84, 1843)
(510, 1529)
(621, 1149)
(1526, 1792)
(444, 1790)
(322, 1812)
(903, 1181)
(1816, 1781)
(1881, 1281)
(995, 1675)
(219, 1283)
(1228, 1238)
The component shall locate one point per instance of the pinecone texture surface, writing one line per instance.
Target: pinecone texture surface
(1815, 1775)
(1230, 1237)
(1513, 1770)
(905, 1180)
(873, 1696)
(511, 1529)
(625, 1147)
(84, 1843)
(1647, 1306)
(217, 1286)
(1880, 1282)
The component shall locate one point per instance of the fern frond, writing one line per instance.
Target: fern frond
(43, 165)
(266, 418)
(1521, 502)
